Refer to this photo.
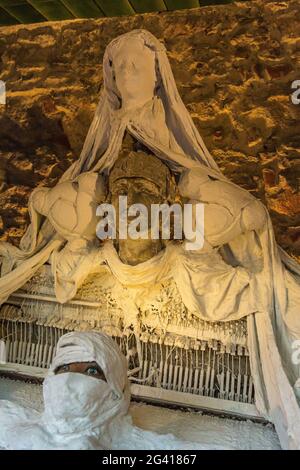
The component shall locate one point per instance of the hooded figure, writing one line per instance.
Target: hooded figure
(162, 123)
(82, 412)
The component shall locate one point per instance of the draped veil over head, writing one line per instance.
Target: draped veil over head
(179, 142)
(80, 412)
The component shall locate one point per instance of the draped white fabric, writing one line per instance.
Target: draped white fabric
(197, 275)
(82, 412)
(165, 126)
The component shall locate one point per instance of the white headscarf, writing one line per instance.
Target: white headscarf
(96, 347)
(81, 412)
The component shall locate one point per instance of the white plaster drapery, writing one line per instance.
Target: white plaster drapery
(165, 126)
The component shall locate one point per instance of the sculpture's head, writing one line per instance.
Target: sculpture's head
(144, 179)
(139, 92)
(131, 69)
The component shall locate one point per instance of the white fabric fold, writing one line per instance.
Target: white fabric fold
(82, 412)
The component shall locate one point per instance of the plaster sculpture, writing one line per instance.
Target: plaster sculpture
(240, 272)
(89, 413)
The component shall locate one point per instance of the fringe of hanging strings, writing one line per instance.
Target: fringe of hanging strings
(206, 366)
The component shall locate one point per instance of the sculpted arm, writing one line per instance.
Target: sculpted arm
(71, 205)
(228, 210)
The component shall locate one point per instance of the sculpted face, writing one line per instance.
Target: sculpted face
(138, 191)
(134, 73)
(143, 179)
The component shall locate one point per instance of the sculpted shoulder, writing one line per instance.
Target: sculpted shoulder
(228, 209)
(71, 205)
(197, 184)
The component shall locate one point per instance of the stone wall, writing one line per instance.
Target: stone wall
(233, 64)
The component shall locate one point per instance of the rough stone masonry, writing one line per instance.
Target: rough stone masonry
(233, 64)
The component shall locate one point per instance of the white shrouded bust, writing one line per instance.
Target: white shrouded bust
(243, 274)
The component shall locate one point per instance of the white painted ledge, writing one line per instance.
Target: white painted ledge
(213, 405)
(160, 395)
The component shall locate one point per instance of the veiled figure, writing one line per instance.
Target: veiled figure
(240, 271)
